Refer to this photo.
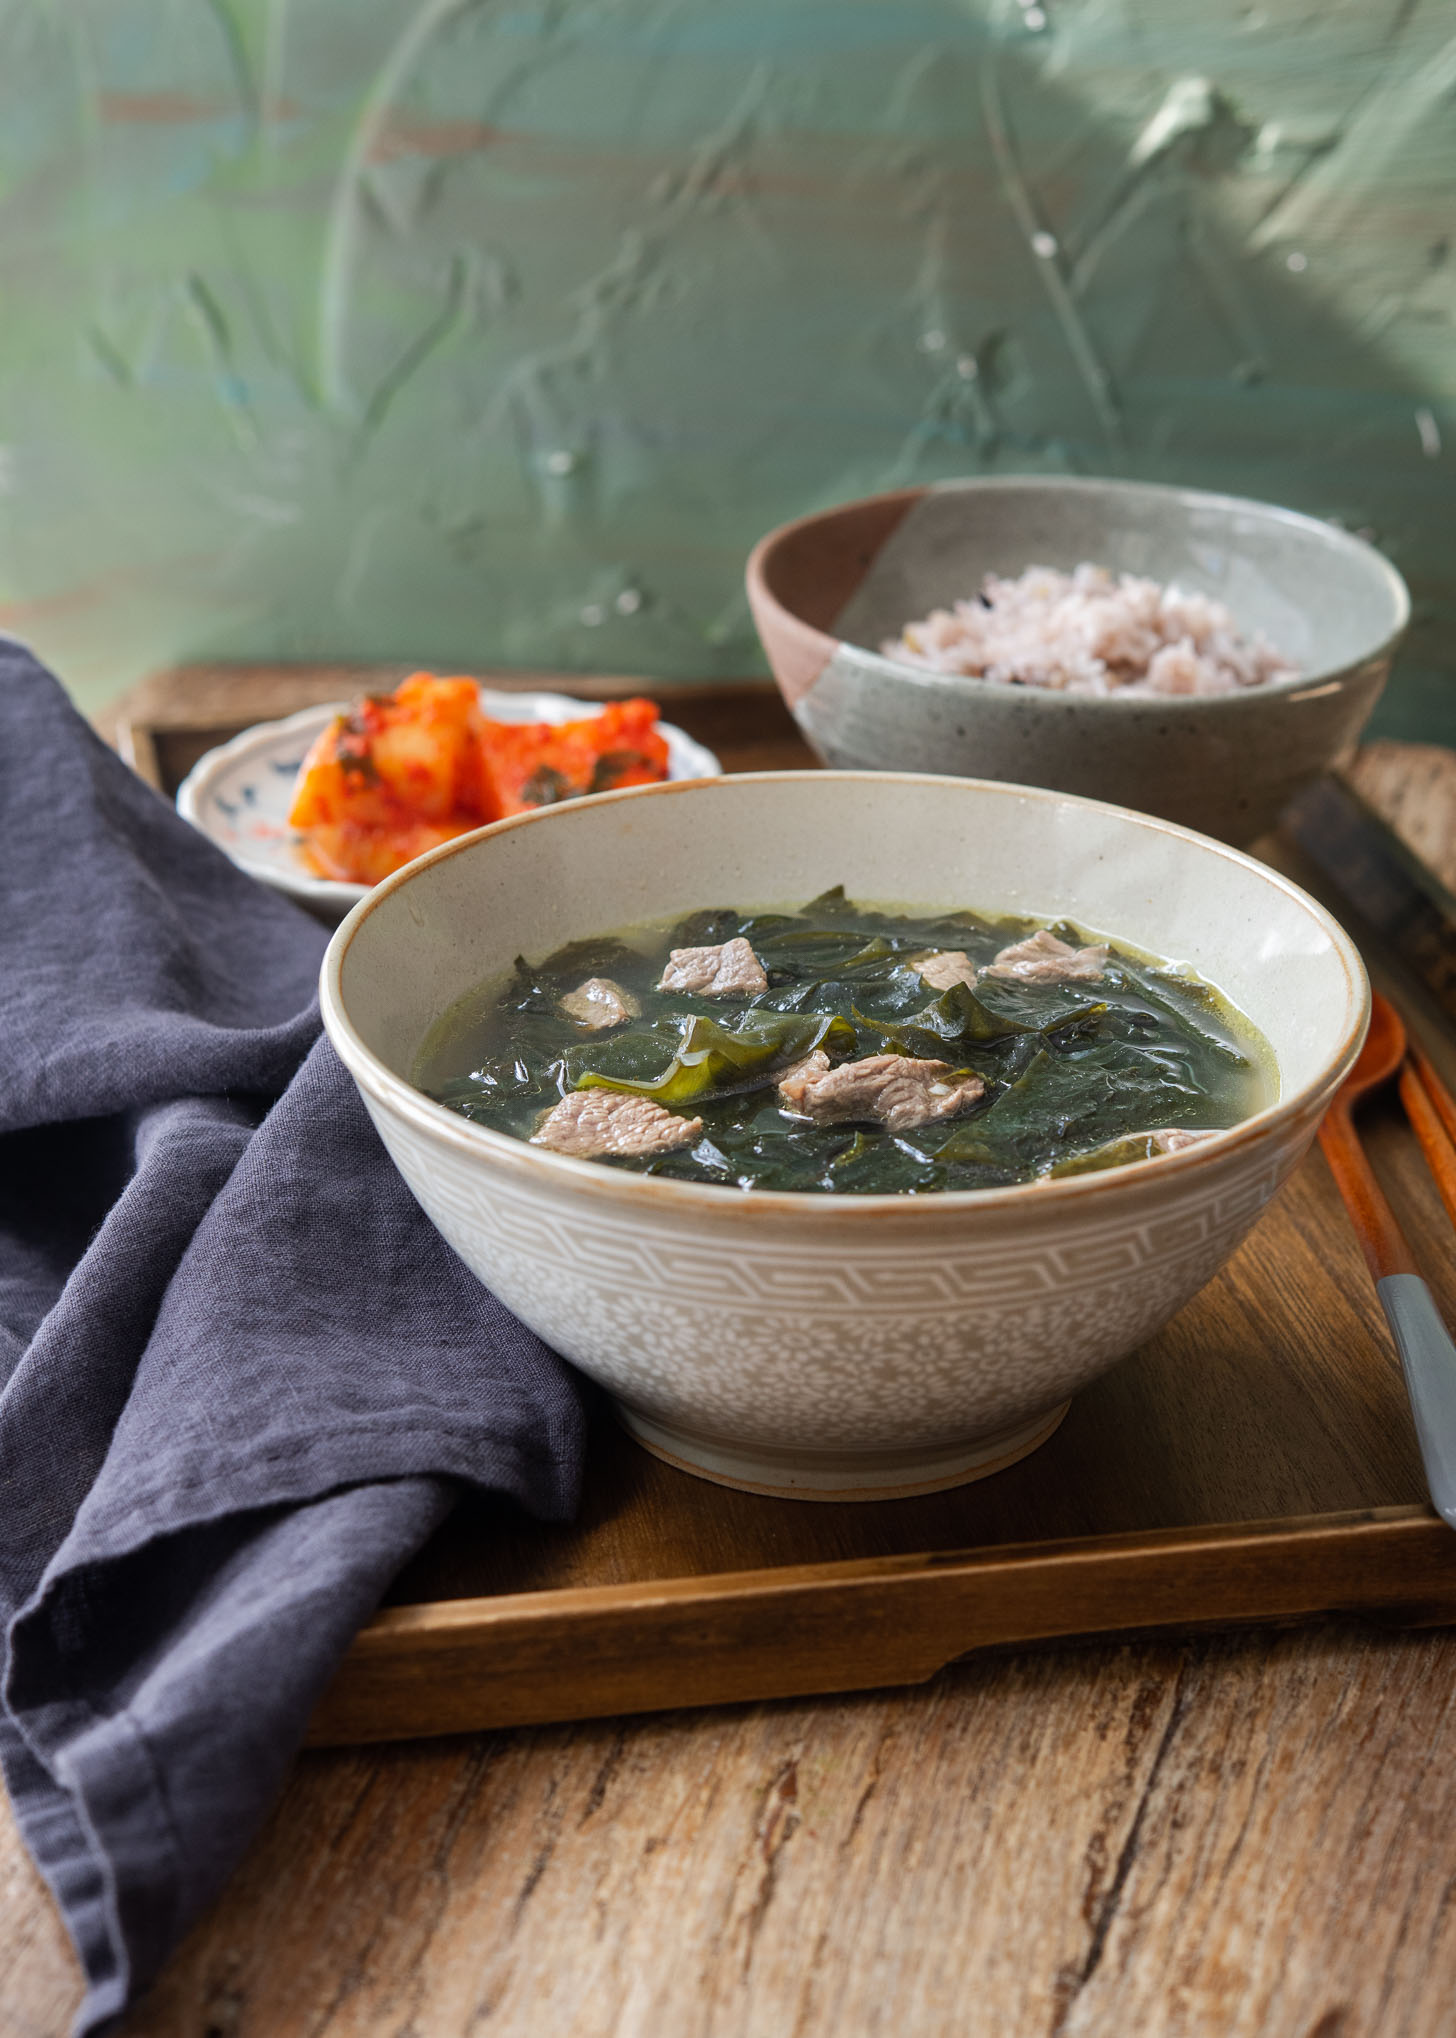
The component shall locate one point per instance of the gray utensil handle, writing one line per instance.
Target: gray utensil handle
(1428, 1359)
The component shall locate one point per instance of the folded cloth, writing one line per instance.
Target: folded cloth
(241, 1376)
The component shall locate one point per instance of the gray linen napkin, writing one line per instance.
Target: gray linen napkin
(241, 1377)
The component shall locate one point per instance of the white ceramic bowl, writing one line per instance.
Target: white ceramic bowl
(240, 793)
(811, 1345)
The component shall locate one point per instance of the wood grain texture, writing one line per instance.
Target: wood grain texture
(1222, 1835)
(39, 1989)
(1382, 1241)
(1431, 1110)
(1413, 787)
(451, 1666)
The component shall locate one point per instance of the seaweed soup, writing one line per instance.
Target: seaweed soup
(1073, 1075)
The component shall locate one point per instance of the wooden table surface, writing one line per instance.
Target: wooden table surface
(1233, 1834)
(1184, 1837)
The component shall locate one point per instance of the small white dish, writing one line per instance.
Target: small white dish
(239, 794)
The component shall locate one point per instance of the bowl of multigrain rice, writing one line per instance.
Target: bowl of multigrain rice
(1194, 656)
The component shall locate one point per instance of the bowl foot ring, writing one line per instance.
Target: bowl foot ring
(847, 1475)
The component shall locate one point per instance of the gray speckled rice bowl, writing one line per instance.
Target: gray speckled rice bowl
(829, 588)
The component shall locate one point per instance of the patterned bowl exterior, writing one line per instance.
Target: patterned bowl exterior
(934, 1332)
(793, 1342)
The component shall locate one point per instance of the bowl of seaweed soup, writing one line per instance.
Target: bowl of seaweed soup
(1077, 1075)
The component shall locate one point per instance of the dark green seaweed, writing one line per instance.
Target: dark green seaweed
(691, 1059)
(1076, 1075)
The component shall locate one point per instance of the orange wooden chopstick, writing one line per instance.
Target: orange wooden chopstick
(1440, 1096)
(1381, 1239)
(1431, 1110)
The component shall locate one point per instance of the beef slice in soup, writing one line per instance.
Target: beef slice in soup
(594, 1124)
(730, 969)
(944, 968)
(794, 1083)
(838, 1077)
(884, 1089)
(1043, 959)
(599, 1003)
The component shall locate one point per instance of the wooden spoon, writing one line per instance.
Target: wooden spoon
(1427, 1355)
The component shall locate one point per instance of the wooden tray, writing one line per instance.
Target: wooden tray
(1254, 1462)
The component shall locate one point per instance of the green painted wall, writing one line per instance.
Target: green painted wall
(493, 331)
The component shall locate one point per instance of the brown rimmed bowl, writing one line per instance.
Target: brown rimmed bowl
(827, 590)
